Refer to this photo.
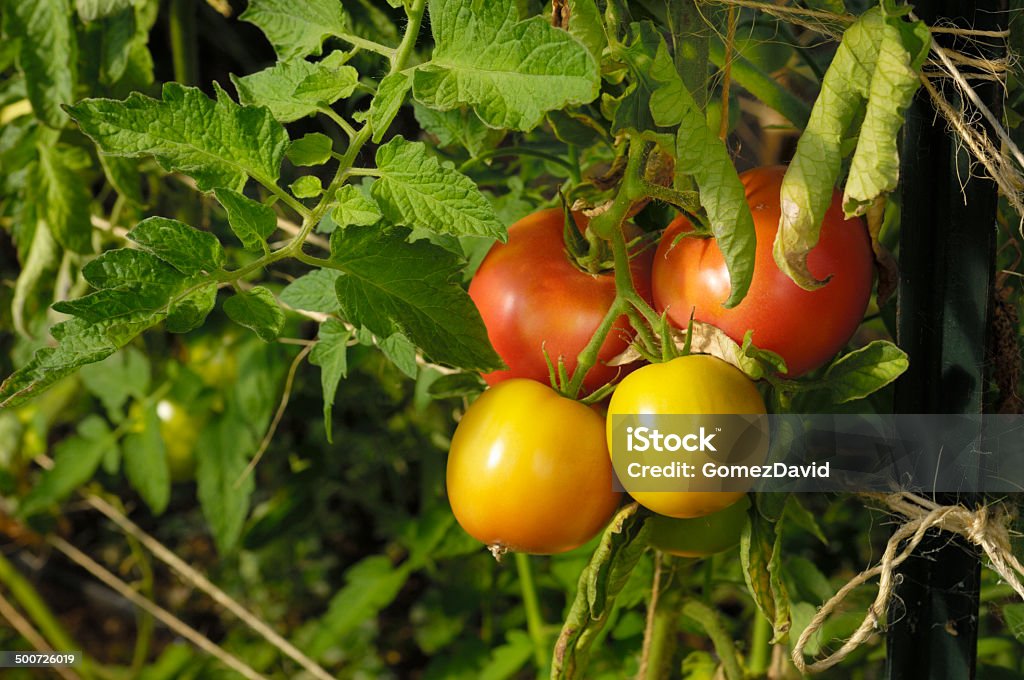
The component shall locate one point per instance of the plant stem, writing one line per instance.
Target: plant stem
(368, 45)
(182, 23)
(339, 121)
(724, 646)
(40, 613)
(534, 621)
(760, 645)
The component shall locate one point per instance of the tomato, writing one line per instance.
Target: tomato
(806, 327)
(700, 536)
(694, 384)
(529, 470)
(532, 298)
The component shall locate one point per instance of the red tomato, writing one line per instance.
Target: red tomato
(533, 298)
(806, 327)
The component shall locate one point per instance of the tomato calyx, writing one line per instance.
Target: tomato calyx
(584, 249)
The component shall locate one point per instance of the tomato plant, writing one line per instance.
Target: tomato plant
(528, 470)
(694, 384)
(807, 328)
(534, 300)
(700, 536)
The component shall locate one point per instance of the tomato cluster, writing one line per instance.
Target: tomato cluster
(529, 469)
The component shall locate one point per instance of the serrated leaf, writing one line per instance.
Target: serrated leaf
(216, 142)
(456, 385)
(621, 546)
(511, 72)
(461, 127)
(47, 54)
(80, 343)
(354, 208)
(392, 286)
(313, 292)
(112, 304)
(386, 103)
(657, 96)
(331, 355)
(223, 492)
(296, 29)
(65, 200)
(865, 370)
(117, 378)
(401, 353)
(91, 10)
(312, 149)
(42, 257)
(257, 310)
(190, 311)
(415, 190)
(251, 221)
(296, 89)
(188, 250)
(128, 268)
(803, 518)
(145, 462)
(75, 462)
(761, 557)
(307, 186)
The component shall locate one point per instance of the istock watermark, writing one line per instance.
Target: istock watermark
(819, 452)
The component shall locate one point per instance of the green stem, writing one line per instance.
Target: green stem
(760, 645)
(40, 613)
(724, 646)
(339, 121)
(369, 45)
(534, 621)
(182, 21)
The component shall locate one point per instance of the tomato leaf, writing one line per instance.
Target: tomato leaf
(296, 89)
(128, 268)
(91, 10)
(399, 351)
(313, 292)
(754, 80)
(386, 103)
(120, 376)
(297, 29)
(75, 462)
(872, 73)
(307, 186)
(621, 546)
(865, 370)
(47, 53)
(392, 286)
(312, 149)
(458, 127)
(416, 190)
(65, 200)
(214, 141)
(223, 493)
(257, 310)
(331, 355)
(354, 207)
(145, 463)
(511, 72)
(251, 221)
(761, 557)
(188, 250)
(189, 311)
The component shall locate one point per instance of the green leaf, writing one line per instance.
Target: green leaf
(75, 462)
(91, 10)
(66, 200)
(767, 89)
(511, 72)
(145, 462)
(458, 127)
(307, 186)
(401, 353)
(354, 208)
(188, 250)
(223, 492)
(621, 546)
(657, 96)
(112, 304)
(415, 190)
(251, 221)
(312, 149)
(128, 269)
(42, 257)
(508, 659)
(761, 557)
(386, 103)
(296, 89)
(331, 354)
(587, 26)
(314, 292)
(296, 29)
(190, 311)
(123, 174)
(456, 385)
(865, 370)
(117, 378)
(217, 142)
(257, 310)
(392, 286)
(47, 54)
(80, 343)
(803, 518)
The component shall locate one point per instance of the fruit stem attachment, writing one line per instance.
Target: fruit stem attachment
(534, 621)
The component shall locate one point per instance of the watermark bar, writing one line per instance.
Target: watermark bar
(819, 452)
(39, 659)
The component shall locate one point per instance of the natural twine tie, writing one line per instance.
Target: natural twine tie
(987, 527)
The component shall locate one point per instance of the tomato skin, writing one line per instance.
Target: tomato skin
(694, 384)
(700, 536)
(806, 327)
(533, 299)
(529, 471)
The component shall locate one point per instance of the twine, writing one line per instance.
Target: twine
(987, 528)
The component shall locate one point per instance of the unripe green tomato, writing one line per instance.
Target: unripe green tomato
(180, 432)
(700, 536)
(213, 359)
